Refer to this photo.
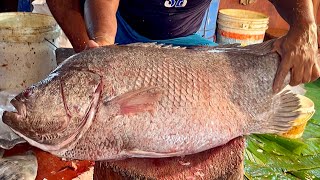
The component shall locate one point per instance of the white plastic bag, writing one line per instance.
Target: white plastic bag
(8, 138)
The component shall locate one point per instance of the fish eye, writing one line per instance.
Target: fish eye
(27, 93)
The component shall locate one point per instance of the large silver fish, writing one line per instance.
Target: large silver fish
(145, 100)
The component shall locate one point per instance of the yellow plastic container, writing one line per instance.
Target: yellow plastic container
(241, 26)
(307, 110)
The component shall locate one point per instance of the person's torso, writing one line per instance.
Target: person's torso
(164, 19)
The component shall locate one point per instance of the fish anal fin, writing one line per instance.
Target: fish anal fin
(138, 101)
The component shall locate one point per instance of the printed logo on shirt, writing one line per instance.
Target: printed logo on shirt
(175, 3)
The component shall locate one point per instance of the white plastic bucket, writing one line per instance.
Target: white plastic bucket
(241, 26)
(27, 49)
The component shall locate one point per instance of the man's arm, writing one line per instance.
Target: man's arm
(68, 15)
(316, 4)
(299, 48)
(100, 18)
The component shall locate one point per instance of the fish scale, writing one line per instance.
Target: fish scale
(176, 83)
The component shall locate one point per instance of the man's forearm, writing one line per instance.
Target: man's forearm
(100, 18)
(68, 14)
(295, 12)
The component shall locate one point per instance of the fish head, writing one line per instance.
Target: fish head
(55, 109)
(34, 108)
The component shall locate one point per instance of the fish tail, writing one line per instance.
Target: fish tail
(286, 109)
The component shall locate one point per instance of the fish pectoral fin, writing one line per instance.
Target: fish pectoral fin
(285, 110)
(149, 154)
(137, 101)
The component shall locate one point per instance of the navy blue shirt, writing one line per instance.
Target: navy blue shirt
(164, 19)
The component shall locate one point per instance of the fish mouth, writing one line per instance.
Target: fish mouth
(20, 107)
(13, 118)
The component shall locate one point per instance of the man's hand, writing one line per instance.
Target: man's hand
(91, 44)
(99, 41)
(298, 51)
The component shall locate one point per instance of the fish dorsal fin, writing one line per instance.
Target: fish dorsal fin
(155, 45)
(208, 48)
(261, 48)
(256, 49)
(137, 101)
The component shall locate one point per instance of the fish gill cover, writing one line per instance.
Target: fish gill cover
(276, 157)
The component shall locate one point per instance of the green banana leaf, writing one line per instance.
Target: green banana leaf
(276, 157)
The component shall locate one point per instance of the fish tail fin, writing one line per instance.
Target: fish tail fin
(285, 109)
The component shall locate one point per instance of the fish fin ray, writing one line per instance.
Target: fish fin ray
(286, 108)
(255, 49)
(155, 45)
(219, 47)
(261, 48)
(137, 101)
